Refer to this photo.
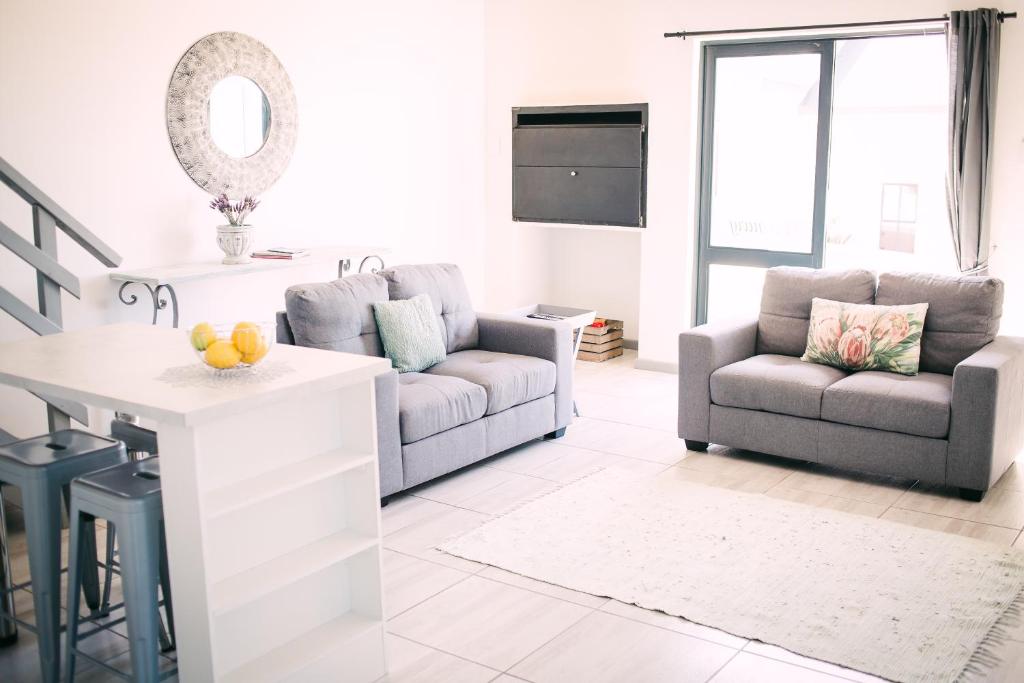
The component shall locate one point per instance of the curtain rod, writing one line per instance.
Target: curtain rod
(892, 22)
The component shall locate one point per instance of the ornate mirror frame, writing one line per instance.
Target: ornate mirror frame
(203, 66)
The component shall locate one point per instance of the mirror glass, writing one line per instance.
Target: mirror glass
(239, 116)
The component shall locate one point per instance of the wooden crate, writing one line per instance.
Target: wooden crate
(601, 343)
(602, 347)
(609, 325)
(611, 335)
(599, 357)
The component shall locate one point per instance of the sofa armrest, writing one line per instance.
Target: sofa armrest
(547, 339)
(284, 329)
(986, 427)
(389, 442)
(702, 350)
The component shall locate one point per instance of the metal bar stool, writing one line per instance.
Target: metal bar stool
(43, 467)
(127, 496)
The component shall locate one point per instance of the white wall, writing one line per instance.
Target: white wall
(390, 145)
(603, 51)
(404, 139)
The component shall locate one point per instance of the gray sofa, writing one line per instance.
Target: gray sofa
(960, 422)
(505, 380)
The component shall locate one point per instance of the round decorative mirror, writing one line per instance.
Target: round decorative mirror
(231, 115)
(239, 116)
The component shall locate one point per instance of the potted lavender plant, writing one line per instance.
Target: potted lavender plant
(235, 238)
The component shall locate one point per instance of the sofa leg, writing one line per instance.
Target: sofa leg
(973, 495)
(384, 501)
(557, 434)
(696, 445)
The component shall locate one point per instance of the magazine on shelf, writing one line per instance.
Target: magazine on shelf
(284, 253)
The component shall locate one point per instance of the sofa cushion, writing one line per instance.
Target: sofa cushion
(963, 313)
(443, 283)
(865, 336)
(917, 405)
(337, 315)
(786, 303)
(774, 383)
(431, 404)
(409, 332)
(508, 379)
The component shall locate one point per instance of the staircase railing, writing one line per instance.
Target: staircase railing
(51, 276)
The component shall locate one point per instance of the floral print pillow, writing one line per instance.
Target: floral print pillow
(865, 337)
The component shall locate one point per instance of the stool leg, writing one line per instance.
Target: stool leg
(8, 627)
(90, 573)
(108, 575)
(42, 532)
(165, 586)
(140, 575)
(79, 529)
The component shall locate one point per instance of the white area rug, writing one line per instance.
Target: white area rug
(887, 599)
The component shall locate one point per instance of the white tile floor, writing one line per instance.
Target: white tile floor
(452, 620)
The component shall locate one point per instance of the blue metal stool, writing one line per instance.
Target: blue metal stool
(140, 443)
(128, 496)
(43, 467)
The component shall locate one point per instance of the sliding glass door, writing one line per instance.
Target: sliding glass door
(817, 152)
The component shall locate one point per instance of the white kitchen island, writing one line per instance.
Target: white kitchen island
(270, 493)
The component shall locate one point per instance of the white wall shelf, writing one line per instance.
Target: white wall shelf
(205, 270)
(283, 480)
(158, 280)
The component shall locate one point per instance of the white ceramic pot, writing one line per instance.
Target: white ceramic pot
(236, 243)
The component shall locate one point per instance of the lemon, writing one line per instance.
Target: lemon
(202, 336)
(222, 354)
(257, 355)
(247, 337)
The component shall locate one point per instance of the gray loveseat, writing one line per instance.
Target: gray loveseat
(960, 422)
(505, 380)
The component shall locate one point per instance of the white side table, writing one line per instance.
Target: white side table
(577, 317)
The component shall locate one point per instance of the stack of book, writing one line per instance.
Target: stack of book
(281, 253)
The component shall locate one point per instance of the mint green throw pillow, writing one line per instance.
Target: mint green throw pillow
(409, 332)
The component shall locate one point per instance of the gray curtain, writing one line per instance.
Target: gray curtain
(973, 48)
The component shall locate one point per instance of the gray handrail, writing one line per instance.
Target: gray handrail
(42, 262)
(75, 230)
(51, 277)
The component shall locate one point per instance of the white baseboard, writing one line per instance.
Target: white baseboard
(656, 365)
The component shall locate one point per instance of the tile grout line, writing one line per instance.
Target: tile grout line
(439, 564)
(598, 450)
(429, 597)
(780, 485)
(450, 654)
(413, 523)
(665, 628)
(804, 666)
(465, 659)
(537, 592)
(959, 519)
(725, 664)
(589, 613)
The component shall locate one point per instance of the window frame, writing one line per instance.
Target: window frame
(706, 255)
